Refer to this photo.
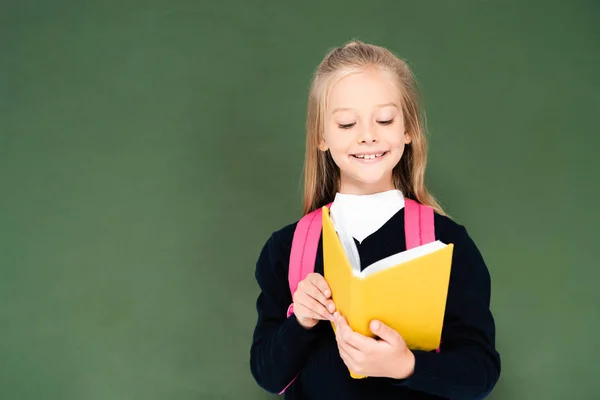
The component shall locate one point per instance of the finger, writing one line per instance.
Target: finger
(342, 327)
(351, 352)
(312, 304)
(384, 332)
(304, 311)
(313, 291)
(320, 283)
(340, 333)
(346, 357)
(351, 357)
(352, 338)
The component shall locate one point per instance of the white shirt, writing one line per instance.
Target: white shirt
(362, 215)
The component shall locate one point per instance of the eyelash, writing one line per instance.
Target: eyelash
(384, 123)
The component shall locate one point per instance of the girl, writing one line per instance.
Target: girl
(366, 153)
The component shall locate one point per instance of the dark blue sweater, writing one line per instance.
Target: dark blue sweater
(467, 367)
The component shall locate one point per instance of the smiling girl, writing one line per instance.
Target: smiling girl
(366, 155)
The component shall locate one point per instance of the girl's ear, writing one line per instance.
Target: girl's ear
(407, 138)
(323, 146)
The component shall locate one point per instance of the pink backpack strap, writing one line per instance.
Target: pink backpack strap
(419, 228)
(304, 249)
(304, 254)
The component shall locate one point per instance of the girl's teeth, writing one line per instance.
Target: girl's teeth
(370, 156)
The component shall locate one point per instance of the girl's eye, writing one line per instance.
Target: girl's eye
(348, 126)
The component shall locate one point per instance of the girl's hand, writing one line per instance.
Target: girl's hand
(386, 357)
(312, 301)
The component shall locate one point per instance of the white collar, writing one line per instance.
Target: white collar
(362, 215)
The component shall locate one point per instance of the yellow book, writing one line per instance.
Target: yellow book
(406, 291)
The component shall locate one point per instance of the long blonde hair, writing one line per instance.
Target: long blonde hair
(321, 174)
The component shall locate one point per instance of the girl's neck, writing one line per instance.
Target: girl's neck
(360, 189)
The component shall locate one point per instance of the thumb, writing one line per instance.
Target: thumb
(384, 332)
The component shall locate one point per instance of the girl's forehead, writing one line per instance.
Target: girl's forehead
(362, 89)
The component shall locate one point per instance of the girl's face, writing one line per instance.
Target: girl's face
(364, 131)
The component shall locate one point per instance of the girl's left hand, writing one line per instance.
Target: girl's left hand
(386, 357)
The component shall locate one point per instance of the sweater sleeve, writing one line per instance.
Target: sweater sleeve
(468, 365)
(280, 345)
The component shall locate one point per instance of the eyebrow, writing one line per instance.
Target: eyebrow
(378, 105)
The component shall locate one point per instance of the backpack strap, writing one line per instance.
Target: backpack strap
(304, 250)
(303, 255)
(419, 228)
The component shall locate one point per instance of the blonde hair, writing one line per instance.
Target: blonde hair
(321, 174)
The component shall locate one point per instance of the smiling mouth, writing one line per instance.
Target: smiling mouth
(369, 156)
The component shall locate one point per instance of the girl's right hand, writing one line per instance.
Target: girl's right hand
(312, 301)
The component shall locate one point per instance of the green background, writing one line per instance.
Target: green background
(148, 149)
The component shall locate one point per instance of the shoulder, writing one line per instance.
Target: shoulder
(450, 231)
(275, 253)
(447, 229)
(467, 259)
(281, 239)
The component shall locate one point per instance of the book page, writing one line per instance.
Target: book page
(347, 241)
(402, 257)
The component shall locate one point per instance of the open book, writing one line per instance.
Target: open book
(351, 251)
(406, 291)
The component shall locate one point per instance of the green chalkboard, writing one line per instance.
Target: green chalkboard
(148, 150)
